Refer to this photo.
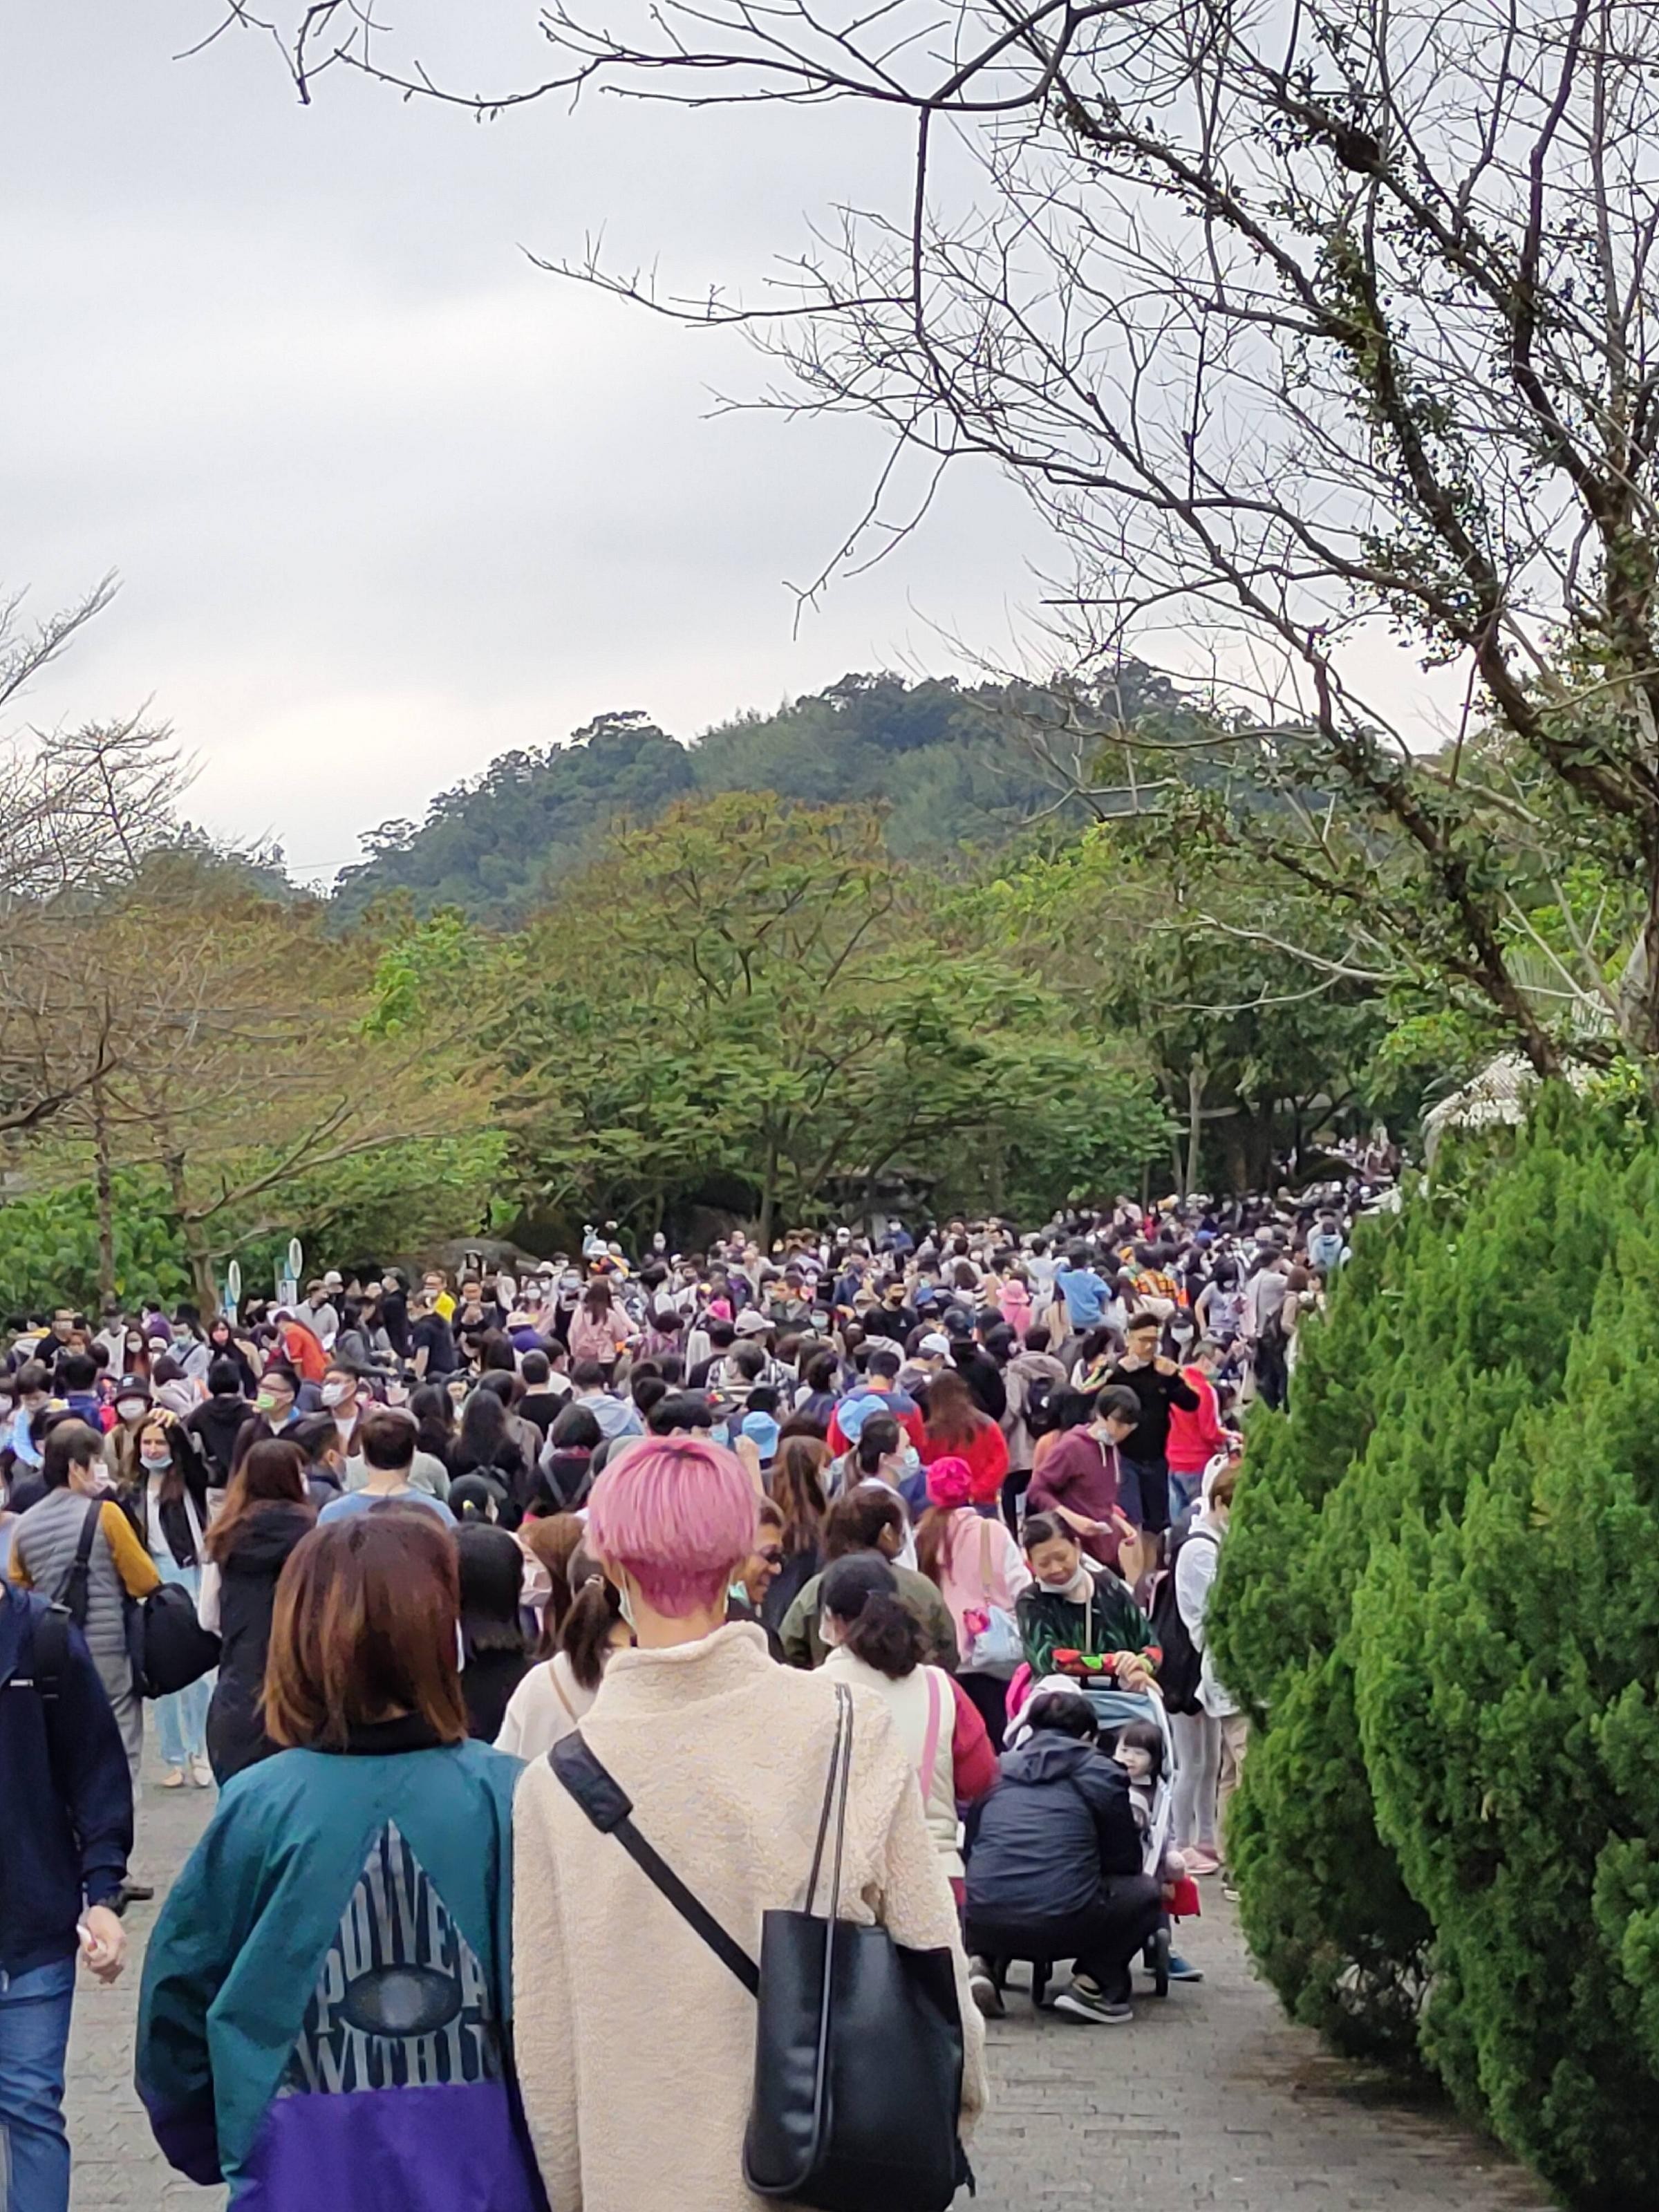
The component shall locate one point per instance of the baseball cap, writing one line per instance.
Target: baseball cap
(761, 1430)
(750, 1323)
(934, 1346)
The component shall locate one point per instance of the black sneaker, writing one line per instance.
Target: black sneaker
(1093, 2005)
(981, 1987)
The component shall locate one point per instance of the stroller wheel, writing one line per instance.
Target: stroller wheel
(1160, 1961)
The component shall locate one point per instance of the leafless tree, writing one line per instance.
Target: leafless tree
(1308, 325)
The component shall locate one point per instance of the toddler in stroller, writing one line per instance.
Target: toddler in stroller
(1144, 1749)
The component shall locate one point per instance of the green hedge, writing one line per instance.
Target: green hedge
(1440, 1600)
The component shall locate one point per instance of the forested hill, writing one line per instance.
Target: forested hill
(946, 759)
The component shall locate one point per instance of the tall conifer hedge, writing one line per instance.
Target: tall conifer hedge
(1440, 1600)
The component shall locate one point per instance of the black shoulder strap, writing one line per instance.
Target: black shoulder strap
(609, 1806)
(72, 1594)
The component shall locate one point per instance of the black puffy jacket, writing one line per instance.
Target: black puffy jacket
(247, 1598)
(1056, 1825)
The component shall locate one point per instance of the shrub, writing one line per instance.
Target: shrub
(1441, 1601)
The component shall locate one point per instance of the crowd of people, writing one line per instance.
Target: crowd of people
(939, 1512)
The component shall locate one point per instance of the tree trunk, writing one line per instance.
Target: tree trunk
(203, 1280)
(104, 1182)
(768, 1204)
(1197, 1074)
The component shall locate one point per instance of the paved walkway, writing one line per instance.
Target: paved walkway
(1209, 2099)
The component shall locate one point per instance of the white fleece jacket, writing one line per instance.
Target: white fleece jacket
(636, 2046)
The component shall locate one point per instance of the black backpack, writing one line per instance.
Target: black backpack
(1181, 1664)
(1037, 1413)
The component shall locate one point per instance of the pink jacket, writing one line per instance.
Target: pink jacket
(964, 1586)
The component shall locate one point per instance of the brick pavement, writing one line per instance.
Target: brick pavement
(1209, 2099)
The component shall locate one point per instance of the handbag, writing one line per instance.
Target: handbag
(998, 1647)
(858, 2040)
(166, 1644)
(167, 1647)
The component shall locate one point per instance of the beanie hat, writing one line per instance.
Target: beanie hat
(950, 1483)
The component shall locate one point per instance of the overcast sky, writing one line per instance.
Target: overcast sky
(385, 500)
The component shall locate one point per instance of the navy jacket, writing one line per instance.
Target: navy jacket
(1058, 1822)
(66, 1791)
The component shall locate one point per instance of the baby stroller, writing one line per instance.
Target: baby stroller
(1114, 1709)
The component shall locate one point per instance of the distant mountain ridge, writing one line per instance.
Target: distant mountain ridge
(944, 758)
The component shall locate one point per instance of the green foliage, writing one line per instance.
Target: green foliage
(49, 1247)
(947, 762)
(1441, 1599)
(753, 1003)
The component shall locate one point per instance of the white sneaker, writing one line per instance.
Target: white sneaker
(200, 1772)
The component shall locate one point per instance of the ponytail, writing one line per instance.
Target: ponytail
(887, 1636)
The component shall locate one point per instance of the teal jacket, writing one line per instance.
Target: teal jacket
(325, 2015)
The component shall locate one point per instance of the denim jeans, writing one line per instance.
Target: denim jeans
(1183, 1493)
(181, 1719)
(34, 2026)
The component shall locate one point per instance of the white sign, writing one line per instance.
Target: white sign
(234, 1283)
(296, 1259)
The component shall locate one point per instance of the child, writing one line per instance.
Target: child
(1140, 1751)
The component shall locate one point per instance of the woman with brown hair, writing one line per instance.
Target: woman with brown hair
(797, 1486)
(170, 1505)
(599, 1329)
(326, 1996)
(549, 1546)
(267, 1510)
(956, 1428)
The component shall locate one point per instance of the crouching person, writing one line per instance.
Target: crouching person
(1054, 1871)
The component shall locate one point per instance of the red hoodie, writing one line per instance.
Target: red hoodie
(1195, 1438)
(986, 1456)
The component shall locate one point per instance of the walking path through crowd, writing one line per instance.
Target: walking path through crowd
(1214, 2098)
(871, 1568)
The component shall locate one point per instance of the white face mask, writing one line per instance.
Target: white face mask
(132, 1409)
(156, 1460)
(335, 1394)
(625, 1604)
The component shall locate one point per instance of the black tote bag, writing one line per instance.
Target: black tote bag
(857, 2050)
(858, 2042)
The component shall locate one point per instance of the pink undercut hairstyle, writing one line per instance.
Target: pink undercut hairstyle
(678, 1513)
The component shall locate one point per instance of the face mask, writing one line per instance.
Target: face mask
(335, 1394)
(156, 1460)
(625, 1605)
(132, 1409)
(265, 1402)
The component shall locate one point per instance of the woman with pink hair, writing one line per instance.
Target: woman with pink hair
(635, 2041)
(980, 1571)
